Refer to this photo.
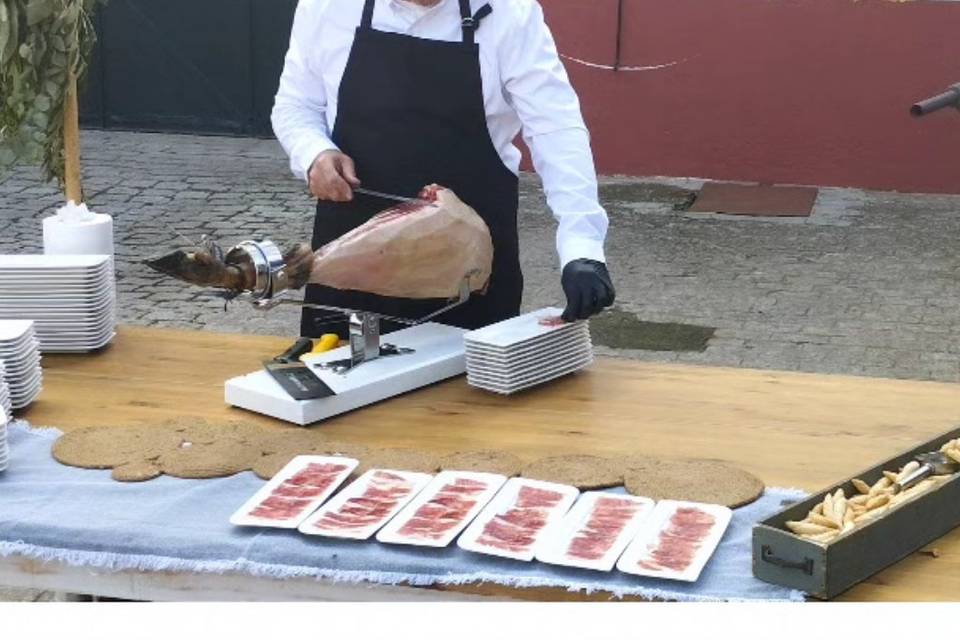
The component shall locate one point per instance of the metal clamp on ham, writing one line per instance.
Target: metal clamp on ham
(268, 265)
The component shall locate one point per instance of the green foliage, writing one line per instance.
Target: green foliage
(41, 41)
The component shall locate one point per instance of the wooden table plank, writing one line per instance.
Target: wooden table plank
(792, 430)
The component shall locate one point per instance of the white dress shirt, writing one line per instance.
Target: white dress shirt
(525, 88)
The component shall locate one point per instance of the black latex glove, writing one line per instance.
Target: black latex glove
(588, 288)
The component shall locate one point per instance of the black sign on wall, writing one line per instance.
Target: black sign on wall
(197, 66)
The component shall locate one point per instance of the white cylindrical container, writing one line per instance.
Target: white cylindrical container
(74, 230)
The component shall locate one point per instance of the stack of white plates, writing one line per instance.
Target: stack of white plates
(526, 351)
(20, 355)
(4, 450)
(71, 299)
(5, 402)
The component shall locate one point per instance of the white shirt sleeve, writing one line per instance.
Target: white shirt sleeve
(537, 86)
(299, 113)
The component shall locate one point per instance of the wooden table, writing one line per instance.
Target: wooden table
(792, 430)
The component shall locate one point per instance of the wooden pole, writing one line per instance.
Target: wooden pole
(71, 142)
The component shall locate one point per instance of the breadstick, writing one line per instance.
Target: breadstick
(839, 509)
(822, 537)
(880, 485)
(911, 466)
(870, 515)
(828, 505)
(848, 519)
(859, 501)
(954, 453)
(818, 509)
(804, 528)
(823, 521)
(878, 501)
(891, 476)
(861, 486)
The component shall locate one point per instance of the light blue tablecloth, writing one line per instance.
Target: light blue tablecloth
(52, 512)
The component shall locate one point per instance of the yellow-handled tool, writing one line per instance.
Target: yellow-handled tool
(327, 342)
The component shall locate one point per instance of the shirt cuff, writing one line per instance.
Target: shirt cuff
(302, 160)
(576, 248)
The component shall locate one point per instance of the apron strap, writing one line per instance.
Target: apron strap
(471, 22)
(366, 23)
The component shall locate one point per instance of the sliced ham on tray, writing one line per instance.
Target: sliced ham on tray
(443, 509)
(677, 541)
(295, 492)
(367, 504)
(595, 532)
(512, 524)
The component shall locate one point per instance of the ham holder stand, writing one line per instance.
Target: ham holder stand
(362, 373)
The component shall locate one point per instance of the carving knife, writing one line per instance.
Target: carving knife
(389, 196)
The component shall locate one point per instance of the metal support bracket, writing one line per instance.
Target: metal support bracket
(365, 345)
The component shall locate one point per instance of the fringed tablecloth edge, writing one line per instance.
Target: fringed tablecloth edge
(119, 562)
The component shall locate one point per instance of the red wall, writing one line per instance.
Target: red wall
(779, 91)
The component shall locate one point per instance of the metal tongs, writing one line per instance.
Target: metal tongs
(931, 464)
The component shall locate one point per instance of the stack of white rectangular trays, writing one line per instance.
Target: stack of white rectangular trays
(20, 371)
(5, 402)
(71, 299)
(4, 448)
(526, 351)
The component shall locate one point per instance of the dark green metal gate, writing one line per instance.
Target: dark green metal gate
(199, 66)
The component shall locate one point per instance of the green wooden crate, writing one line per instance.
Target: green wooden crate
(825, 571)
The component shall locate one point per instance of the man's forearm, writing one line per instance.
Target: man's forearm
(302, 132)
(564, 161)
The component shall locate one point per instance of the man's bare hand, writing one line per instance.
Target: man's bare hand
(333, 176)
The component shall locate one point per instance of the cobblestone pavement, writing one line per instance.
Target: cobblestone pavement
(869, 285)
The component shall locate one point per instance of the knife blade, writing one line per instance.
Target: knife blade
(294, 376)
(389, 196)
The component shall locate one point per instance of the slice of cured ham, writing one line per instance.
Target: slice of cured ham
(677, 541)
(512, 524)
(443, 509)
(294, 493)
(596, 531)
(362, 508)
(421, 249)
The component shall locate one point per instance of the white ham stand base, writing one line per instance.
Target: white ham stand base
(439, 354)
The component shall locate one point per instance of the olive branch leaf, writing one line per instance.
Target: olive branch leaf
(43, 43)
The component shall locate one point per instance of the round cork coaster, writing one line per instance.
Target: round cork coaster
(196, 430)
(279, 451)
(216, 460)
(501, 462)
(585, 472)
(137, 471)
(298, 441)
(708, 481)
(270, 465)
(103, 448)
(397, 459)
(345, 449)
(249, 432)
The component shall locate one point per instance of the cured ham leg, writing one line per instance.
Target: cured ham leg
(421, 249)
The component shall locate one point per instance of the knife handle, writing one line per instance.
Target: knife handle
(300, 347)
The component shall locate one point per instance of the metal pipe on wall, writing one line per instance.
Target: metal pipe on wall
(617, 58)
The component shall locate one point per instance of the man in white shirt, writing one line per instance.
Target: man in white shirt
(398, 94)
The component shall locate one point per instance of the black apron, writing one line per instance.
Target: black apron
(411, 113)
